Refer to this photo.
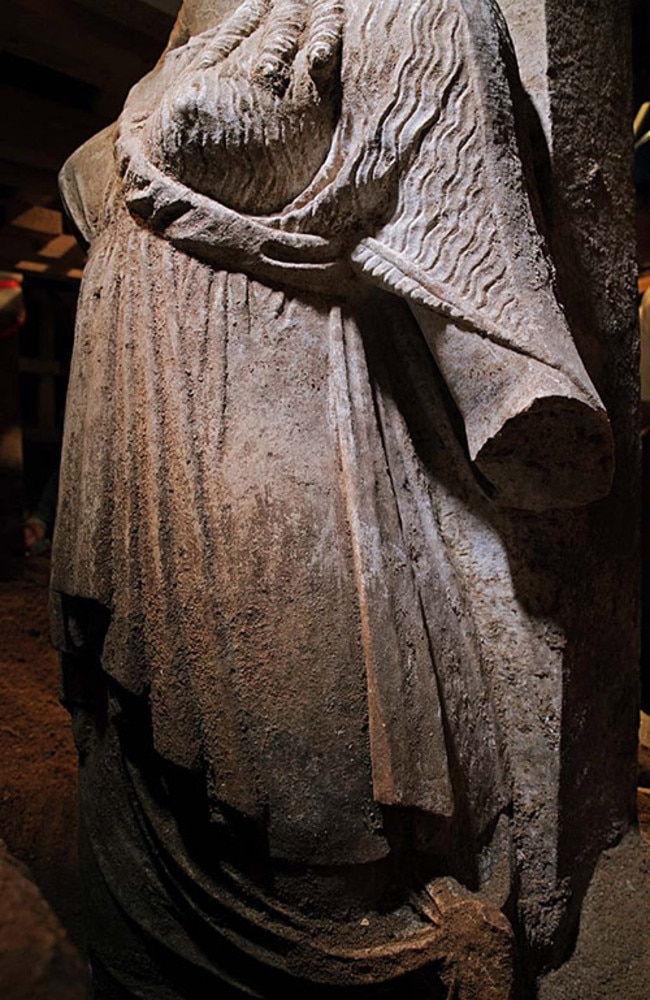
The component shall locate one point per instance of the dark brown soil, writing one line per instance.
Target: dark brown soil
(37, 960)
(37, 757)
(644, 814)
(612, 956)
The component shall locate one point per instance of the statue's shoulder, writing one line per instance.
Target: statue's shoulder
(85, 181)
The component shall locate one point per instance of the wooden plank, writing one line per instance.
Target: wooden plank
(152, 19)
(43, 366)
(81, 44)
(32, 266)
(58, 247)
(21, 246)
(17, 245)
(49, 131)
(37, 187)
(170, 7)
(90, 23)
(29, 157)
(37, 219)
(41, 435)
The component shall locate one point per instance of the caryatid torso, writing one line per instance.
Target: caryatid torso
(308, 213)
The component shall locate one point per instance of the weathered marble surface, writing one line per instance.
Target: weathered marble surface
(585, 184)
(325, 420)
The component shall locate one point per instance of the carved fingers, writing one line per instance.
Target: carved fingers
(240, 25)
(280, 43)
(282, 29)
(325, 33)
(315, 26)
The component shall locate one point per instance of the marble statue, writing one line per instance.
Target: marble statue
(321, 378)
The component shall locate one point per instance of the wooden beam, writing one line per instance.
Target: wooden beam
(43, 366)
(69, 39)
(16, 244)
(37, 187)
(32, 266)
(170, 7)
(45, 221)
(45, 131)
(22, 244)
(150, 18)
(30, 157)
(58, 247)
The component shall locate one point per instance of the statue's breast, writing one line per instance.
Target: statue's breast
(228, 132)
